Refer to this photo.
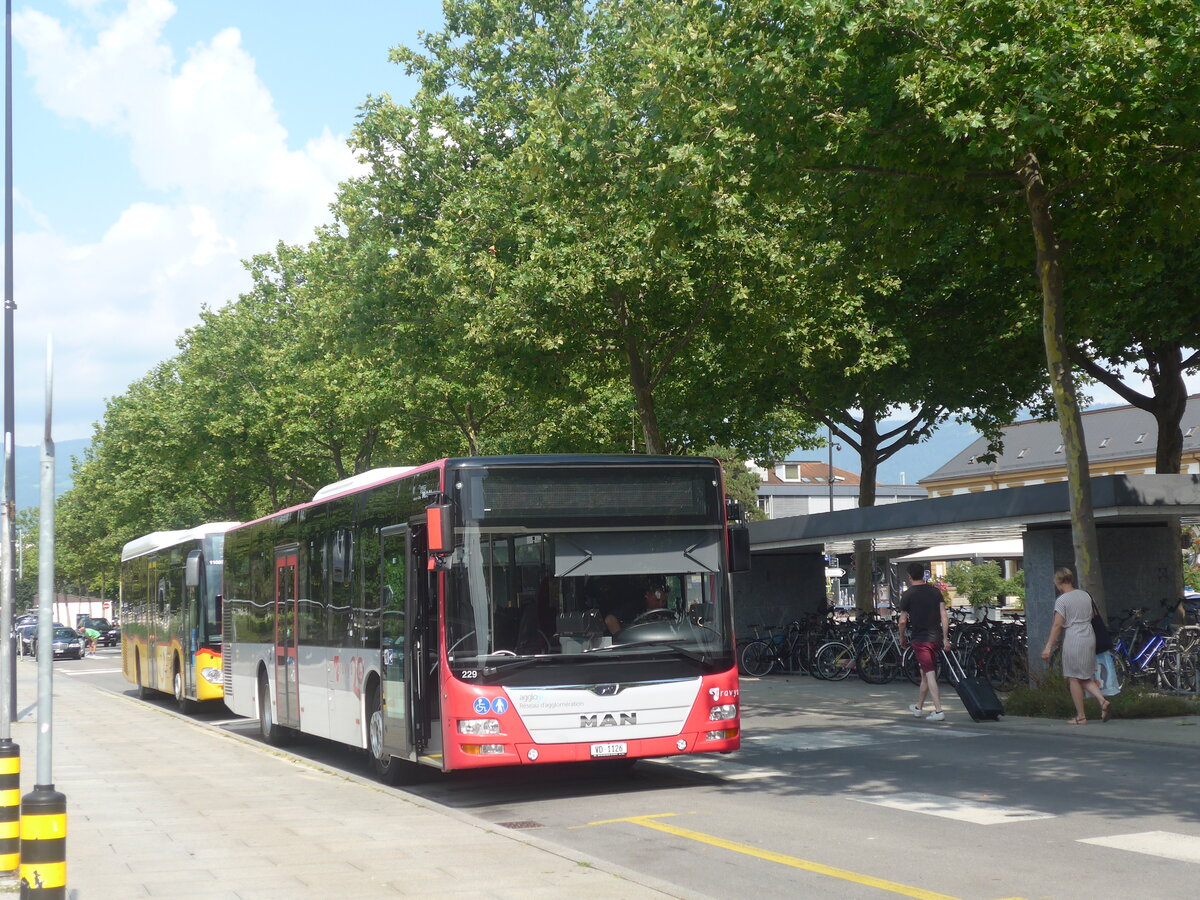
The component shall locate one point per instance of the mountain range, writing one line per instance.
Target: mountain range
(28, 465)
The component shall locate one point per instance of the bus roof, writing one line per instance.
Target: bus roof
(385, 474)
(362, 480)
(160, 540)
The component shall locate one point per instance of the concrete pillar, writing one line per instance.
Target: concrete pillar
(1046, 549)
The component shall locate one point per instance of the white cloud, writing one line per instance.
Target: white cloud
(207, 142)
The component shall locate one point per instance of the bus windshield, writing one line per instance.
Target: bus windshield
(519, 599)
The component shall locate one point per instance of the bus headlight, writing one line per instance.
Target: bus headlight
(722, 712)
(211, 675)
(478, 726)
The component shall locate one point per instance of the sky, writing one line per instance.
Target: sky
(157, 145)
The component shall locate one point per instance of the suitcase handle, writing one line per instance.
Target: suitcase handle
(954, 666)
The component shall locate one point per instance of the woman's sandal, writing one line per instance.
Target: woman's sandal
(1106, 712)
(1076, 721)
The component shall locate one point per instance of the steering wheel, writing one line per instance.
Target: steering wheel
(656, 615)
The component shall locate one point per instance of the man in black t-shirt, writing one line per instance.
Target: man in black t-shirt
(924, 621)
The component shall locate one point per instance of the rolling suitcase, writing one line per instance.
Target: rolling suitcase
(976, 693)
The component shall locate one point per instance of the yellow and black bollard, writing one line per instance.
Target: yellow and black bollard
(44, 844)
(10, 806)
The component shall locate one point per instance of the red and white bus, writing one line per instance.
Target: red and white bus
(489, 611)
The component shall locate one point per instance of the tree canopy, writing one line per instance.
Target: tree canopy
(625, 225)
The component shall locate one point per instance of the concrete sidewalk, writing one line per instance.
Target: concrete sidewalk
(853, 698)
(161, 806)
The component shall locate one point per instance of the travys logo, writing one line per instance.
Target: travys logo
(716, 693)
(598, 721)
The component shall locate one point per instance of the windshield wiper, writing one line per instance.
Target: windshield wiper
(514, 665)
(658, 642)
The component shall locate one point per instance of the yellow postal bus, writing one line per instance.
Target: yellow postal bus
(171, 613)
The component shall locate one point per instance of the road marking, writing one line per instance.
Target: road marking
(87, 671)
(953, 808)
(894, 887)
(1167, 844)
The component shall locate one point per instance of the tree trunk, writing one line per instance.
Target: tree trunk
(1170, 395)
(1167, 401)
(643, 393)
(864, 555)
(1062, 382)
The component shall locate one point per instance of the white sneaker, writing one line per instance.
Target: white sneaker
(935, 716)
(915, 710)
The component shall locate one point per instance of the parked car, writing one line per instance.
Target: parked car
(110, 635)
(27, 636)
(67, 643)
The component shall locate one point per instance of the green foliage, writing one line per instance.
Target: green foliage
(1050, 698)
(628, 225)
(981, 583)
(740, 483)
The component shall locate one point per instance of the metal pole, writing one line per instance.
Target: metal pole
(8, 662)
(829, 430)
(45, 656)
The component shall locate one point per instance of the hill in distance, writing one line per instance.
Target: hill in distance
(28, 464)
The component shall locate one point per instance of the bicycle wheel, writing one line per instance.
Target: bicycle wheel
(758, 658)
(877, 665)
(834, 661)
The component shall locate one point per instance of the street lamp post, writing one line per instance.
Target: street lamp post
(831, 477)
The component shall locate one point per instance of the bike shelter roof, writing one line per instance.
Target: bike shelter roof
(1003, 514)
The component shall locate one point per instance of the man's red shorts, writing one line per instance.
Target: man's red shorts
(925, 651)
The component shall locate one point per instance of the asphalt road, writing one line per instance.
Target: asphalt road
(834, 800)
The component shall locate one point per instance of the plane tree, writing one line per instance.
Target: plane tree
(1067, 110)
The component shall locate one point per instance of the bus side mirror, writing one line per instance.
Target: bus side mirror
(441, 528)
(191, 575)
(739, 548)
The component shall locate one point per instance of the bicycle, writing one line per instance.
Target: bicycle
(778, 649)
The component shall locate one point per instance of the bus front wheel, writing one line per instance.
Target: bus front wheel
(181, 699)
(388, 769)
(270, 731)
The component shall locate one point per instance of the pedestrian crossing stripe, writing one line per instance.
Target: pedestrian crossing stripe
(1165, 844)
(953, 808)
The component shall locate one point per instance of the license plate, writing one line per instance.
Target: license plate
(609, 750)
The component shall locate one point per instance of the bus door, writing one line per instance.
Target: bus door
(423, 641)
(395, 556)
(287, 668)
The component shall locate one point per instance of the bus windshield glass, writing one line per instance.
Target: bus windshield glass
(519, 600)
(214, 552)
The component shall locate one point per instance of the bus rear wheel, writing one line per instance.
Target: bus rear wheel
(143, 692)
(270, 731)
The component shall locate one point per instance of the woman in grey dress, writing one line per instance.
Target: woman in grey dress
(1073, 622)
